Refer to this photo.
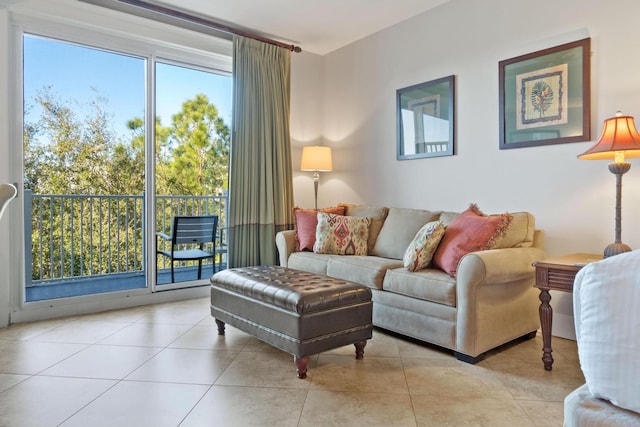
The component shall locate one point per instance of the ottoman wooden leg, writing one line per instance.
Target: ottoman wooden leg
(360, 349)
(301, 366)
(220, 324)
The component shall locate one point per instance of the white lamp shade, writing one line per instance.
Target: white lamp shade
(316, 158)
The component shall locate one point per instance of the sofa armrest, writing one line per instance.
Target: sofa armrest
(286, 244)
(495, 298)
(497, 266)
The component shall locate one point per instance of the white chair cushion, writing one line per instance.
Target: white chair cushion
(606, 302)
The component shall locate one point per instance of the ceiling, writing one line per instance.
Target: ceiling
(316, 26)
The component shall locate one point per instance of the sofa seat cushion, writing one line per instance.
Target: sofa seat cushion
(366, 270)
(309, 261)
(429, 284)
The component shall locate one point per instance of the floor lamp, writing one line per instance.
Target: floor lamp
(619, 138)
(316, 159)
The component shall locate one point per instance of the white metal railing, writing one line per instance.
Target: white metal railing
(73, 236)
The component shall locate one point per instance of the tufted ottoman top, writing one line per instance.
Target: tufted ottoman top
(290, 289)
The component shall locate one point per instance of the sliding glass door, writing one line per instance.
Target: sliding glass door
(94, 169)
(193, 115)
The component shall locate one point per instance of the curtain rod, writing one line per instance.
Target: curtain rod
(182, 16)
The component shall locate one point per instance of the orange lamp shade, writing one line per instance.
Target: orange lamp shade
(619, 135)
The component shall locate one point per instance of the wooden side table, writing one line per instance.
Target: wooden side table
(556, 274)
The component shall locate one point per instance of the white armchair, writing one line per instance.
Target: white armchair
(606, 299)
(7, 193)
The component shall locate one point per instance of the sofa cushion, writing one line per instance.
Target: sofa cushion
(605, 299)
(304, 224)
(376, 214)
(341, 235)
(399, 229)
(308, 261)
(469, 232)
(421, 249)
(519, 234)
(447, 217)
(366, 270)
(429, 284)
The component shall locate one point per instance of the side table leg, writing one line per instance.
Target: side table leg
(220, 324)
(546, 319)
(360, 349)
(301, 366)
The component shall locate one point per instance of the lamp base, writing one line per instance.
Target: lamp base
(615, 249)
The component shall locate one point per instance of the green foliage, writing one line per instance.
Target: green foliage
(66, 153)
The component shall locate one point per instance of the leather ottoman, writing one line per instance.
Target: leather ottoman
(298, 312)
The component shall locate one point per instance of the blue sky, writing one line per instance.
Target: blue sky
(73, 71)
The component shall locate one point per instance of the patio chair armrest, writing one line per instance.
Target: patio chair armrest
(164, 236)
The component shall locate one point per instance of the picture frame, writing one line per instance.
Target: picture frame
(545, 96)
(425, 119)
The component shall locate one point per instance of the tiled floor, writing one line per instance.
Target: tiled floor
(165, 365)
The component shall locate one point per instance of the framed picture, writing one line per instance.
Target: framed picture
(425, 119)
(545, 96)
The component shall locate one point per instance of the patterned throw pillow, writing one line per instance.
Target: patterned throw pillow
(341, 235)
(423, 246)
(469, 232)
(304, 224)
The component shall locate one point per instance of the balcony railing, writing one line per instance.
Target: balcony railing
(78, 236)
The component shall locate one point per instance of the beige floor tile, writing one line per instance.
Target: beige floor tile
(334, 408)
(190, 366)
(80, 331)
(414, 349)
(247, 406)
(543, 413)
(206, 337)
(9, 380)
(103, 361)
(27, 357)
(530, 381)
(170, 355)
(380, 345)
(480, 412)
(265, 369)
(124, 315)
(371, 374)
(258, 346)
(452, 378)
(47, 401)
(177, 314)
(137, 404)
(25, 331)
(147, 334)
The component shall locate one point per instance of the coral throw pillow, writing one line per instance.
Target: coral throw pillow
(423, 246)
(469, 232)
(341, 235)
(305, 222)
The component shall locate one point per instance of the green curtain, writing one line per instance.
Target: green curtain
(260, 175)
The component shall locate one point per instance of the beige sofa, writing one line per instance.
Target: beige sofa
(490, 301)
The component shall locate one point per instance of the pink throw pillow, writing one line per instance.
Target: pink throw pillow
(305, 222)
(469, 232)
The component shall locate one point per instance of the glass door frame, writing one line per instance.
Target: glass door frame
(132, 43)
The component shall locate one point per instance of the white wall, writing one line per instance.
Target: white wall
(573, 200)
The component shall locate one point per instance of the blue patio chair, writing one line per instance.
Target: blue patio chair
(7, 193)
(187, 232)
